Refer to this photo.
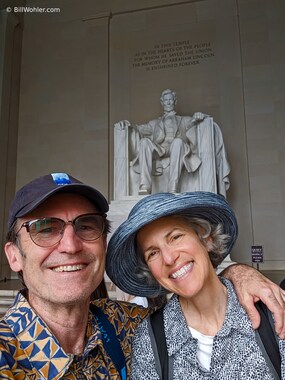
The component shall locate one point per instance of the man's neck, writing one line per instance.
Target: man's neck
(67, 323)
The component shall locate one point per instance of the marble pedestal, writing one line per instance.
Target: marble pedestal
(119, 210)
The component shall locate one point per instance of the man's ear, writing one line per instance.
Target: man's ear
(14, 256)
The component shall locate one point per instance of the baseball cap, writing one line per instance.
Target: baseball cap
(34, 193)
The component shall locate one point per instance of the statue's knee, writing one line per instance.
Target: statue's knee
(177, 143)
(144, 140)
(146, 143)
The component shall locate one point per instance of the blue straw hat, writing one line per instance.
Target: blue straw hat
(121, 263)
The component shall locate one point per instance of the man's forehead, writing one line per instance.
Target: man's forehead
(63, 202)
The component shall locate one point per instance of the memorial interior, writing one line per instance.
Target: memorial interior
(82, 92)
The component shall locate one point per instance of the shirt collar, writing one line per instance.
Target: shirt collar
(39, 344)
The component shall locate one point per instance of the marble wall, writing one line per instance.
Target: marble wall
(97, 62)
(10, 53)
(193, 49)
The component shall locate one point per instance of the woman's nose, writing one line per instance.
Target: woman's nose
(170, 255)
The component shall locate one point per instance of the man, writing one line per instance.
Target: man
(57, 242)
(175, 137)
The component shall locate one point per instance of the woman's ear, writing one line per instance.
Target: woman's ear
(14, 256)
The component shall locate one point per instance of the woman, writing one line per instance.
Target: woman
(174, 242)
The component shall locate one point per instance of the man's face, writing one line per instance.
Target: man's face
(68, 272)
(168, 102)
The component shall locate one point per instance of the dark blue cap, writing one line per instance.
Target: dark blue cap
(34, 193)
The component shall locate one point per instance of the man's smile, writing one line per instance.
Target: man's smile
(69, 268)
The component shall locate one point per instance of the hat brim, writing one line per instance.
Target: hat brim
(86, 191)
(121, 263)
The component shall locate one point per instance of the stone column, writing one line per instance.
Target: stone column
(206, 149)
(121, 162)
(10, 58)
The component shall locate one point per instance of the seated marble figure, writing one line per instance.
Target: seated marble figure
(175, 153)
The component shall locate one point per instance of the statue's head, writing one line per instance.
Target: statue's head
(168, 100)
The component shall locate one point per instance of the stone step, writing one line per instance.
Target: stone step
(112, 295)
(6, 299)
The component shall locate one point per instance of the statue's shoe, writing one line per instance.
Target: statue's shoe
(143, 190)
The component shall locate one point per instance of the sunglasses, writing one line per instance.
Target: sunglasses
(46, 232)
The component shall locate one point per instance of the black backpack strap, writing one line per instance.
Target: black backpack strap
(268, 341)
(110, 340)
(154, 349)
(158, 342)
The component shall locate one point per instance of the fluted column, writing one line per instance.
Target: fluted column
(10, 58)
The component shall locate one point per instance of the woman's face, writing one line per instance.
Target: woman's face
(175, 255)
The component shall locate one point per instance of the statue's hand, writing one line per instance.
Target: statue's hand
(122, 125)
(199, 116)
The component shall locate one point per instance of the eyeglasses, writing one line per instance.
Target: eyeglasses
(47, 232)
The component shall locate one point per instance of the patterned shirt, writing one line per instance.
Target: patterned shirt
(28, 349)
(235, 355)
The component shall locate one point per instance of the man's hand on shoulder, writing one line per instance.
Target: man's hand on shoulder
(251, 286)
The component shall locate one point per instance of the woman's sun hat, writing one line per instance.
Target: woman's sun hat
(122, 256)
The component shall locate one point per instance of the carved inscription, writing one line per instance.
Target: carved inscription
(172, 55)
